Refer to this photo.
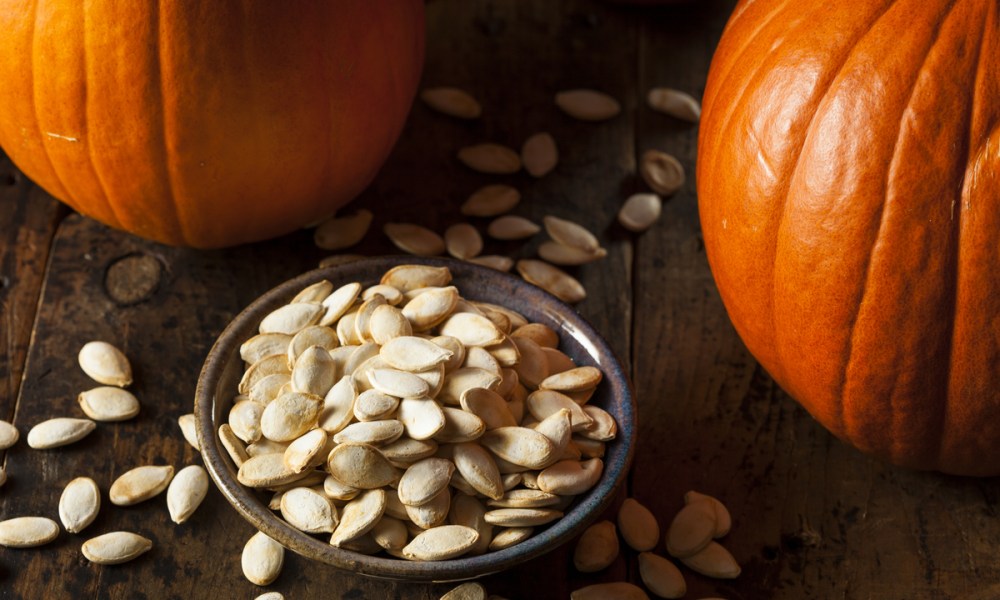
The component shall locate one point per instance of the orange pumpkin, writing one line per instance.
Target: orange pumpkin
(849, 193)
(206, 124)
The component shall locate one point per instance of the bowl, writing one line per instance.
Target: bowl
(578, 339)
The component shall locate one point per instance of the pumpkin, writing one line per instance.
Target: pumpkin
(849, 196)
(206, 124)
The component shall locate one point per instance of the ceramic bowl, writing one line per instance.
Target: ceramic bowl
(578, 339)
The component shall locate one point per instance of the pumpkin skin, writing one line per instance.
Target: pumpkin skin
(849, 195)
(206, 124)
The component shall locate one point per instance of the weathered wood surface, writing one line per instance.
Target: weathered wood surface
(812, 518)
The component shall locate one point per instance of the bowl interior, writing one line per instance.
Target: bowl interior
(578, 339)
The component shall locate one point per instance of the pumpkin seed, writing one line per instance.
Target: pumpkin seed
(233, 445)
(539, 154)
(105, 364)
(338, 303)
(713, 561)
(262, 559)
(391, 294)
(314, 372)
(269, 388)
(266, 446)
(557, 361)
(115, 548)
(640, 211)
(723, 520)
(414, 239)
(186, 492)
(571, 234)
(314, 293)
(139, 484)
(270, 596)
(674, 103)
(557, 427)
(411, 277)
(59, 432)
(603, 428)
(266, 470)
(346, 333)
(571, 477)
(588, 105)
(8, 435)
(638, 526)
(79, 504)
(370, 432)
(519, 445)
(308, 510)
(493, 261)
(343, 232)
(471, 329)
(549, 278)
(522, 517)
(524, 498)
(336, 260)
(451, 101)
(310, 479)
(263, 345)
(490, 158)
(27, 532)
(488, 406)
(691, 530)
(459, 426)
(479, 469)
(490, 201)
(408, 353)
(407, 450)
(573, 380)
(597, 548)
(359, 516)
(463, 241)
(373, 405)
(432, 513)
(290, 415)
(441, 543)
(430, 308)
(663, 173)
(299, 455)
(421, 418)
(388, 323)
(661, 576)
(400, 384)
(618, 590)
(315, 335)
(466, 591)
(244, 419)
(424, 480)
(510, 537)
(468, 511)
(390, 533)
(291, 318)
(514, 318)
(541, 334)
(560, 254)
(542, 403)
(276, 364)
(477, 357)
(335, 490)
(362, 321)
(512, 227)
(360, 466)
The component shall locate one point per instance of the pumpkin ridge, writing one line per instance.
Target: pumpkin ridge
(838, 426)
(177, 224)
(857, 436)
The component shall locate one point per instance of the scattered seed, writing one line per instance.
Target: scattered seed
(108, 403)
(713, 561)
(597, 548)
(618, 590)
(343, 232)
(27, 532)
(466, 591)
(105, 364)
(570, 234)
(139, 484)
(588, 105)
(8, 435)
(663, 173)
(723, 520)
(490, 158)
(452, 101)
(640, 211)
(490, 201)
(463, 241)
(494, 261)
(262, 559)
(512, 227)
(661, 576)
(691, 530)
(59, 432)
(674, 103)
(79, 504)
(638, 526)
(539, 154)
(560, 254)
(414, 239)
(551, 279)
(188, 430)
(115, 548)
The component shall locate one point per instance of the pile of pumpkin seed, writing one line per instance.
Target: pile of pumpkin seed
(569, 243)
(404, 418)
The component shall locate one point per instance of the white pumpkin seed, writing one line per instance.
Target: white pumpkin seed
(459, 426)
(463, 241)
(560, 254)
(691, 530)
(522, 517)
(490, 201)
(388, 323)
(479, 469)
(370, 432)
(276, 364)
(512, 227)
(186, 492)
(335, 490)
(570, 234)
(408, 353)
(539, 154)
(661, 576)
(400, 384)
(471, 329)
(338, 302)
(244, 419)
(115, 548)
(674, 103)
(308, 510)
(588, 105)
(441, 543)
(414, 239)
(466, 591)
(291, 318)
(411, 277)
(638, 526)
(79, 504)
(451, 101)
(315, 335)
(8, 435)
(618, 590)
(510, 536)
(557, 427)
(289, 416)
(430, 308)
(557, 361)
(188, 430)
(314, 372)
(494, 261)
(338, 405)
(233, 445)
(488, 406)
(490, 158)
(469, 511)
(266, 446)
(542, 403)
(301, 453)
(266, 470)
(421, 418)
(270, 596)
(431, 513)
(713, 561)
(390, 533)
(723, 520)
(105, 364)
(524, 498)
(359, 516)
(663, 173)
(520, 445)
(59, 432)
(262, 559)
(360, 466)
(263, 345)
(640, 211)
(541, 334)
(343, 232)
(597, 548)
(314, 293)
(603, 429)
(373, 405)
(27, 532)
(391, 294)
(570, 477)
(553, 280)
(574, 380)
(269, 388)
(139, 484)
(424, 480)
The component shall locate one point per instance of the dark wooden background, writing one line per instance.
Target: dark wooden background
(812, 517)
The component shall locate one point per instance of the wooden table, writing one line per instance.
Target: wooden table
(812, 517)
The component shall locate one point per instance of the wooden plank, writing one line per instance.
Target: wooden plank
(28, 219)
(813, 518)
